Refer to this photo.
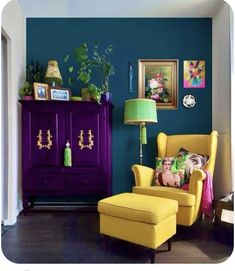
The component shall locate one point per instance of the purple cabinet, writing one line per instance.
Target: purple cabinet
(46, 127)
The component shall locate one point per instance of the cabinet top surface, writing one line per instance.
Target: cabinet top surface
(80, 103)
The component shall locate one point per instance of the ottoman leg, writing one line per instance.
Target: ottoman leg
(106, 241)
(152, 255)
(169, 244)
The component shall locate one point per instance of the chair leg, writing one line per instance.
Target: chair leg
(152, 255)
(169, 242)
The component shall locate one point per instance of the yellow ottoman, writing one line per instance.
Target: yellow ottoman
(144, 220)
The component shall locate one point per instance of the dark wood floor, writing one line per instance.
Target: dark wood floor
(73, 237)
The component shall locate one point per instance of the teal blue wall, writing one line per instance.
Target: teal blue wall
(133, 39)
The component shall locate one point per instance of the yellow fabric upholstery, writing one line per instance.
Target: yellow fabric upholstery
(148, 235)
(189, 201)
(138, 207)
(140, 219)
(182, 196)
(168, 146)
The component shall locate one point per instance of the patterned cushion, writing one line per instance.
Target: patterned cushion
(170, 171)
(194, 160)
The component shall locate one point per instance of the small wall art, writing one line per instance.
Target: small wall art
(130, 77)
(189, 101)
(194, 73)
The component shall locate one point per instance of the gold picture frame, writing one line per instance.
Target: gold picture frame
(40, 91)
(158, 80)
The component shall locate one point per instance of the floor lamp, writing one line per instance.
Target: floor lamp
(139, 112)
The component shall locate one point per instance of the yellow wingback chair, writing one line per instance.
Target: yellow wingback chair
(189, 201)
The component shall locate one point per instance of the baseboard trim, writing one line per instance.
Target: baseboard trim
(59, 206)
(9, 222)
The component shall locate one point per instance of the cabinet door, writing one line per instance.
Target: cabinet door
(43, 138)
(85, 126)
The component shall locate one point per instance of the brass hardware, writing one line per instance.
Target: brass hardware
(90, 140)
(49, 141)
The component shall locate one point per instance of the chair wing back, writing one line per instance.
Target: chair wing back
(168, 146)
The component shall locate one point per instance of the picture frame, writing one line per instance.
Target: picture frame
(158, 80)
(194, 74)
(59, 93)
(40, 91)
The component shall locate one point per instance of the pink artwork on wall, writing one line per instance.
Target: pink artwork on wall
(194, 74)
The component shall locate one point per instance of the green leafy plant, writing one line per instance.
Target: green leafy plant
(102, 61)
(83, 70)
(95, 92)
(86, 63)
(34, 73)
(26, 90)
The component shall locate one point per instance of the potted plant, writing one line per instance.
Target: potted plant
(83, 70)
(95, 93)
(34, 73)
(26, 91)
(106, 68)
(86, 63)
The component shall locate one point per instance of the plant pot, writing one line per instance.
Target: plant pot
(27, 98)
(85, 95)
(96, 98)
(106, 97)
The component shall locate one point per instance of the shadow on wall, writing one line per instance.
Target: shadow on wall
(126, 138)
(125, 145)
(150, 152)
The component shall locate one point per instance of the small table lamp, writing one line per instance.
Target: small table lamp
(53, 76)
(139, 112)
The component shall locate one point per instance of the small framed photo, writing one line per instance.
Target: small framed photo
(40, 91)
(60, 94)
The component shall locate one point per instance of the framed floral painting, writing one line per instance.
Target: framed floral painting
(194, 74)
(158, 80)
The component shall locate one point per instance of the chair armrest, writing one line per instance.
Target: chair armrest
(196, 181)
(143, 175)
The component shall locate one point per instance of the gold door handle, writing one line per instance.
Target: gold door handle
(90, 140)
(49, 141)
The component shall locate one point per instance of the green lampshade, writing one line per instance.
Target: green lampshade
(139, 111)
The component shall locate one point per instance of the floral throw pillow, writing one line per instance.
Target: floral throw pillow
(194, 160)
(170, 171)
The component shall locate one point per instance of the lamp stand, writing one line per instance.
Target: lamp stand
(140, 112)
(143, 140)
(141, 149)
